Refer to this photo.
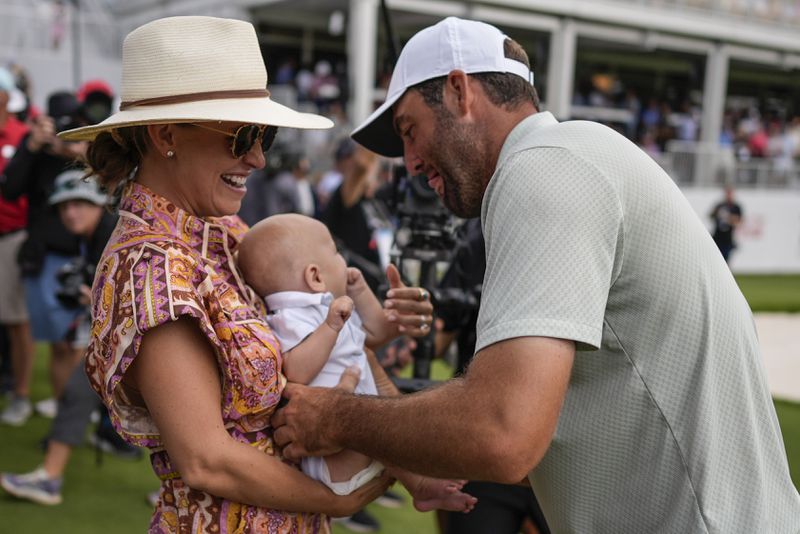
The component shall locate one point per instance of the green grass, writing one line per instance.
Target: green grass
(789, 418)
(111, 497)
(776, 293)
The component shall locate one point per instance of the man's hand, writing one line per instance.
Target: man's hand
(339, 312)
(409, 308)
(300, 426)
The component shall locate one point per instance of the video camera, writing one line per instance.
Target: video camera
(426, 234)
(71, 276)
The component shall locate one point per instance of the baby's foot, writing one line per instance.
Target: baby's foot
(440, 494)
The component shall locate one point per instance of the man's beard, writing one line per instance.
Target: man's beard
(461, 162)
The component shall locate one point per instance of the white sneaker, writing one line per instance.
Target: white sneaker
(17, 412)
(47, 408)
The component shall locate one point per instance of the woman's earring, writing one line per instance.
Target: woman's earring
(170, 154)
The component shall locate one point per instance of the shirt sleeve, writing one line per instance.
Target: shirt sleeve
(292, 325)
(553, 226)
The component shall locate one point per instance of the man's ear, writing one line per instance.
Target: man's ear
(162, 136)
(313, 279)
(458, 93)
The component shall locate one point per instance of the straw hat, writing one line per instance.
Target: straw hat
(187, 69)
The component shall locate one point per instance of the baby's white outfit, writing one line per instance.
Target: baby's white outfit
(293, 316)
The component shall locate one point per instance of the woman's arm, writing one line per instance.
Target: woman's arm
(178, 378)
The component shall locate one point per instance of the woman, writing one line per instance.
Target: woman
(180, 350)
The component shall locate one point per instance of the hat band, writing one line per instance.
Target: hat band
(195, 97)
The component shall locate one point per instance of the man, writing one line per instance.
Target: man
(13, 311)
(726, 216)
(617, 364)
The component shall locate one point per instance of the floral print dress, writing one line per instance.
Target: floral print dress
(162, 263)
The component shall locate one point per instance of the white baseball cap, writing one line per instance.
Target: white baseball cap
(71, 185)
(452, 44)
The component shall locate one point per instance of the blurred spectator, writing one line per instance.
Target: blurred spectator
(332, 179)
(324, 86)
(687, 123)
(355, 218)
(781, 148)
(286, 72)
(634, 105)
(58, 25)
(303, 81)
(31, 172)
(290, 191)
(651, 116)
(726, 217)
(96, 98)
(81, 207)
(13, 310)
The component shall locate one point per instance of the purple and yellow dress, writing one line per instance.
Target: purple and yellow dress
(162, 263)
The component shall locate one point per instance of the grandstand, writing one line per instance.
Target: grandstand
(714, 72)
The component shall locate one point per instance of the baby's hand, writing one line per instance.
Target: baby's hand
(355, 282)
(441, 494)
(339, 312)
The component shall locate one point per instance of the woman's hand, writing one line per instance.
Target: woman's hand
(345, 505)
(409, 308)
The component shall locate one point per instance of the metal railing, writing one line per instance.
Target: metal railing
(782, 12)
(42, 26)
(697, 164)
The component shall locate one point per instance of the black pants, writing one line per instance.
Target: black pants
(501, 509)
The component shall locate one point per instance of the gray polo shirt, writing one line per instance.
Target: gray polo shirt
(667, 425)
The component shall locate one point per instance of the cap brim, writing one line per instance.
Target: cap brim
(58, 198)
(377, 132)
(249, 110)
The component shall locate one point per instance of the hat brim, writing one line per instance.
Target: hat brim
(377, 132)
(249, 110)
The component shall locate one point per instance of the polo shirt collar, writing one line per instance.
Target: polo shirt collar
(527, 125)
(296, 299)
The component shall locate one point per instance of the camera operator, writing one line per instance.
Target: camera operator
(353, 216)
(32, 171)
(81, 207)
(501, 508)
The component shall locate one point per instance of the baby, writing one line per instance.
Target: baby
(323, 313)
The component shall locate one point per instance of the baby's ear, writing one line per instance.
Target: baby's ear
(313, 279)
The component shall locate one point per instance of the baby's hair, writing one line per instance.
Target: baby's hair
(274, 253)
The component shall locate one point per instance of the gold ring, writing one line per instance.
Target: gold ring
(424, 327)
(423, 295)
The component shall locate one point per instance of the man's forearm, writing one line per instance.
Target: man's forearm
(433, 432)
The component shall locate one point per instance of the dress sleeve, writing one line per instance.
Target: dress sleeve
(553, 226)
(138, 288)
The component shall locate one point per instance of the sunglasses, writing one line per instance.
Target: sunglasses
(246, 136)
